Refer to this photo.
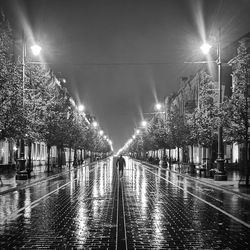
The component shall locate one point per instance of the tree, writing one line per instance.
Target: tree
(192, 137)
(158, 132)
(207, 117)
(136, 146)
(53, 114)
(12, 120)
(178, 128)
(237, 116)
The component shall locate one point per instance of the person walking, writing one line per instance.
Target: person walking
(121, 163)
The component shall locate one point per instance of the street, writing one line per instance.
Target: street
(148, 208)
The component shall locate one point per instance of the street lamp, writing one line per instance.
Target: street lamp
(205, 48)
(160, 110)
(35, 50)
(220, 174)
(144, 123)
(158, 106)
(81, 107)
(94, 124)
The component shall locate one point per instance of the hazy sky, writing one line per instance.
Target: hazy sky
(119, 57)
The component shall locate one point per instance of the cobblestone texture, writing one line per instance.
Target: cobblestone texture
(79, 216)
(160, 216)
(79, 211)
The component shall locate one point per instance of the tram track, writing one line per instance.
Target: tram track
(121, 233)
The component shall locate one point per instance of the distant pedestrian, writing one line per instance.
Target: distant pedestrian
(121, 163)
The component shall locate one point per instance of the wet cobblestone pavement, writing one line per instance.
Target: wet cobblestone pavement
(161, 215)
(91, 208)
(72, 212)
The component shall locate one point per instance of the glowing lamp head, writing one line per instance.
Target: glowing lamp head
(94, 124)
(158, 106)
(81, 108)
(205, 48)
(36, 49)
(144, 124)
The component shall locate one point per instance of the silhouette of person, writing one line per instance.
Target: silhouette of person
(121, 163)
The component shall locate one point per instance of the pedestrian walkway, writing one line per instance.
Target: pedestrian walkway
(230, 185)
(9, 182)
(40, 173)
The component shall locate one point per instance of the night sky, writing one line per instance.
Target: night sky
(120, 57)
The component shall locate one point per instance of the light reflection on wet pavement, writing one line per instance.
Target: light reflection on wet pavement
(164, 216)
(78, 210)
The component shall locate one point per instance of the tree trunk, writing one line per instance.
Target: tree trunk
(29, 154)
(69, 157)
(192, 166)
(192, 154)
(75, 157)
(169, 161)
(59, 155)
(81, 159)
(246, 162)
(48, 152)
(246, 157)
(29, 166)
(210, 164)
(178, 154)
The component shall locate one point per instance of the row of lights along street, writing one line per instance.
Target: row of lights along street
(36, 49)
(220, 174)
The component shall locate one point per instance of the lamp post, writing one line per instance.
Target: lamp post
(36, 49)
(220, 173)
